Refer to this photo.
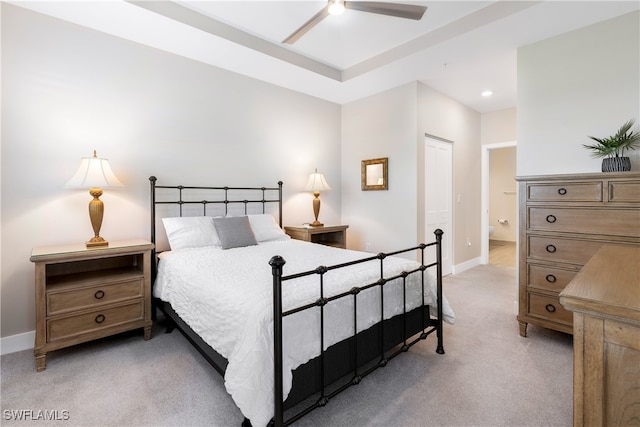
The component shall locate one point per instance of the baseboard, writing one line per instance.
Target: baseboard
(19, 342)
(459, 268)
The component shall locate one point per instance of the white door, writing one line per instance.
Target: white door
(437, 196)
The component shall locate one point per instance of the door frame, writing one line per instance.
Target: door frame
(484, 208)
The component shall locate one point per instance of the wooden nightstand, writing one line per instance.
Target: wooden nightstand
(335, 235)
(84, 294)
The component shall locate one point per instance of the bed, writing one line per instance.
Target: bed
(289, 324)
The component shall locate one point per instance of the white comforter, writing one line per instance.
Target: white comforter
(226, 297)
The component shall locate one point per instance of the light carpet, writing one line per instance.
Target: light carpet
(489, 376)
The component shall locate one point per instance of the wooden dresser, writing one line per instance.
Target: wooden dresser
(564, 220)
(605, 300)
(84, 294)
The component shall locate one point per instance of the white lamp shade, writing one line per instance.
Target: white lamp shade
(94, 172)
(316, 182)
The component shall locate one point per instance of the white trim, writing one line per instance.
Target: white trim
(467, 265)
(484, 204)
(19, 342)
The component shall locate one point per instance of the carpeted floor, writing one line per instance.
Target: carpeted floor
(489, 376)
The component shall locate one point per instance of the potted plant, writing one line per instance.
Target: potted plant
(612, 149)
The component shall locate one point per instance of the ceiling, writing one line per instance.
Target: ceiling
(459, 48)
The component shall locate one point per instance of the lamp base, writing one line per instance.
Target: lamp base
(97, 241)
(316, 223)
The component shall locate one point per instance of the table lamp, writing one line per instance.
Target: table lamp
(316, 183)
(95, 173)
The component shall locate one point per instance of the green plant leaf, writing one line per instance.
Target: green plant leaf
(615, 145)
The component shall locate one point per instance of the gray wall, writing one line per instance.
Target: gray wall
(586, 82)
(67, 90)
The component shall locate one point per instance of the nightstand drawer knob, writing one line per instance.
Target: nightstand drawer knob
(100, 318)
(551, 219)
(551, 249)
(551, 278)
(99, 294)
(562, 191)
(550, 308)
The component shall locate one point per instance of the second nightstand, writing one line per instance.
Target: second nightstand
(334, 235)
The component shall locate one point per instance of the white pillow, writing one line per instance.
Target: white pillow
(266, 229)
(191, 232)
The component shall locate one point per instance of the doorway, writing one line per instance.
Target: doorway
(503, 227)
(438, 174)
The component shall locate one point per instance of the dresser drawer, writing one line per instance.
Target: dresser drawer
(78, 299)
(548, 307)
(610, 222)
(549, 278)
(565, 192)
(71, 326)
(554, 249)
(624, 191)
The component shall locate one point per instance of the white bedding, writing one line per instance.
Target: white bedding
(226, 297)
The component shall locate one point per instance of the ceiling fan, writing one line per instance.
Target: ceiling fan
(337, 7)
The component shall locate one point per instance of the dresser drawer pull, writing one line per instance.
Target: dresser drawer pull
(551, 278)
(99, 294)
(550, 308)
(562, 191)
(551, 249)
(100, 318)
(551, 219)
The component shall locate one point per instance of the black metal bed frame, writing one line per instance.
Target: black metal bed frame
(364, 352)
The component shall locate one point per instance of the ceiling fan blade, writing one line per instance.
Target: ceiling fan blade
(408, 11)
(315, 19)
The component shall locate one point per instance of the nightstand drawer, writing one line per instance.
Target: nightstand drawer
(549, 308)
(78, 299)
(68, 327)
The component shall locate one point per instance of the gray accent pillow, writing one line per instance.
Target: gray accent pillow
(234, 232)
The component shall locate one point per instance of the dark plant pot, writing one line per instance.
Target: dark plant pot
(616, 164)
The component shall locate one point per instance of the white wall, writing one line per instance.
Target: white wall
(446, 118)
(67, 90)
(393, 124)
(503, 201)
(382, 125)
(586, 82)
(499, 127)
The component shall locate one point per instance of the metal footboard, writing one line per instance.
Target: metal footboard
(429, 324)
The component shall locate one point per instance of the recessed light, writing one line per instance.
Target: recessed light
(487, 93)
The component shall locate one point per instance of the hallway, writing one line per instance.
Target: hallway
(502, 253)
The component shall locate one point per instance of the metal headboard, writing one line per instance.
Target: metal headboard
(222, 197)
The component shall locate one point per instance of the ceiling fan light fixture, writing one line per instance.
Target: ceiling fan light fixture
(336, 7)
